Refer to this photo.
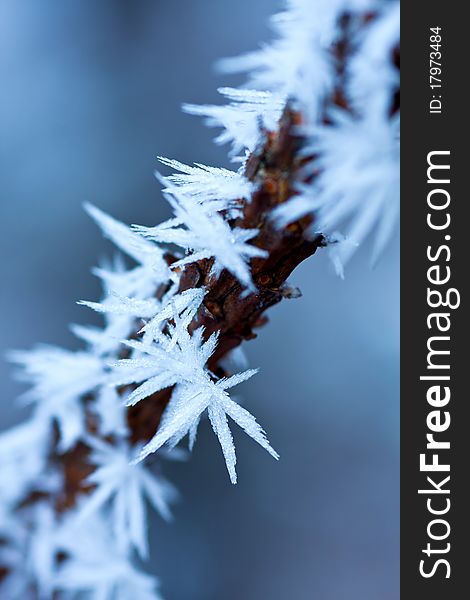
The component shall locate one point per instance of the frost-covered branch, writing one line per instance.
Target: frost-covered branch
(316, 133)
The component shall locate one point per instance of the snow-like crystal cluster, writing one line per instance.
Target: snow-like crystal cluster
(149, 341)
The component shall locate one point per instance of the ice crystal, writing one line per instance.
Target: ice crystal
(96, 566)
(242, 120)
(152, 268)
(206, 236)
(126, 488)
(365, 154)
(154, 312)
(217, 189)
(299, 65)
(356, 188)
(59, 379)
(184, 364)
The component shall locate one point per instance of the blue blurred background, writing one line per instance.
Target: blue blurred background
(90, 96)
